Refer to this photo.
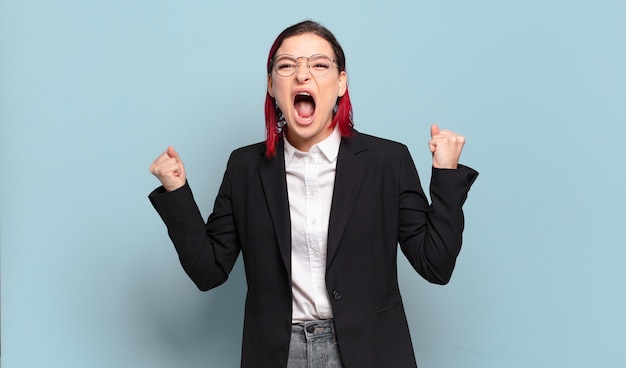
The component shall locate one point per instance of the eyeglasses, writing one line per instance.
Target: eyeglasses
(318, 64)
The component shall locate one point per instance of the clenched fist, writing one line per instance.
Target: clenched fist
(446, 147)
(169, 169)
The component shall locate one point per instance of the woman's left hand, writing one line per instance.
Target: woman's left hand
(446, 147)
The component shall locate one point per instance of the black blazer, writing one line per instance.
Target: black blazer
(377, 203)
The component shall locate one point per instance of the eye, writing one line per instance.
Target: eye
(320, 64)
(286, 64)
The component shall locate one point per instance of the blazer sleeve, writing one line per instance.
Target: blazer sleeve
(430, 236)
(207, 251)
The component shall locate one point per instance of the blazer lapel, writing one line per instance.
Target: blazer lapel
(348, 177)
(274, 182)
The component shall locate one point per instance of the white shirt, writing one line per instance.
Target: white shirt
(310, 182)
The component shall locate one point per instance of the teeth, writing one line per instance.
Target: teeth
(303, 94)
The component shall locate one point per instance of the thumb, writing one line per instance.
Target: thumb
(434, 130)
(172, 153)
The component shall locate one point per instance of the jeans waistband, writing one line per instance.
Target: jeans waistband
(313, 329)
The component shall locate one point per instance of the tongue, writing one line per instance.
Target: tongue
(305, 108)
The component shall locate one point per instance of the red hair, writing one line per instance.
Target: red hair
(343, 113)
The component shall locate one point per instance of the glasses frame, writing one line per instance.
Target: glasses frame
(297, 59)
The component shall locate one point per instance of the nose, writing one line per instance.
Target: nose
(302, 71)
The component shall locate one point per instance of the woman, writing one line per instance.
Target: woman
(317, 210)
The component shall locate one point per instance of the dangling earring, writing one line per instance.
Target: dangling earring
(279, 125)
(335, 108)
(280, 120)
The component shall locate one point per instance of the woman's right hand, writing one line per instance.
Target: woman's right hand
(169, 169)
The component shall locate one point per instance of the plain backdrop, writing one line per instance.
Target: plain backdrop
(92, 91)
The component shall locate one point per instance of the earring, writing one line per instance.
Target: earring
(279, 125)
(280, 120)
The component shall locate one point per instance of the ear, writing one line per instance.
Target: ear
(343, 84)
(269, 85)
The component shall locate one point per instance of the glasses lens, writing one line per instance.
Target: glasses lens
(319, 65)
(286, 65)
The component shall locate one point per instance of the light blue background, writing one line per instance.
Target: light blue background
(92, 91)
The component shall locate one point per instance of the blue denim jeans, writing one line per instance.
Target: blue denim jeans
(313, 345)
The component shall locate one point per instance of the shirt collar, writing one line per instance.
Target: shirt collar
(329, 147)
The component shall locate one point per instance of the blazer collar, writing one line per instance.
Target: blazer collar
(348, 179)
(274, 182)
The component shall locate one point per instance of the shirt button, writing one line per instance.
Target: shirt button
(336, 295)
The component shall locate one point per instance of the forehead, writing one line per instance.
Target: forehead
(306, 44)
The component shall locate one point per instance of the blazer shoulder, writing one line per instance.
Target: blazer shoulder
(252, 157)
(377, 144)
(254, 149)
(247, 154)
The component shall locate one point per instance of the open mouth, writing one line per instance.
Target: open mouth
(304, 105)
